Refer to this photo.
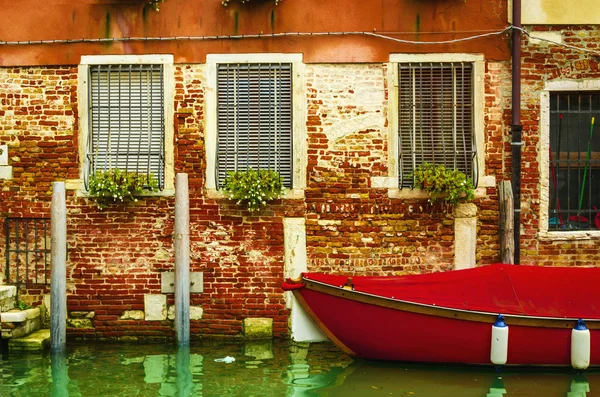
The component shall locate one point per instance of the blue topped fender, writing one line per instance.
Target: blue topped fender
(500, 322)
(580, 325)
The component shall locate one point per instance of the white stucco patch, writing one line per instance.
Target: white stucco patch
(155, 307)
(5, 172)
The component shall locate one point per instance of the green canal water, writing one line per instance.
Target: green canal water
(265, 369)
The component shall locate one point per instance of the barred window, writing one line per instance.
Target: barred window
(254, 118)
(574, 161)
(435, 120)
(126, 120)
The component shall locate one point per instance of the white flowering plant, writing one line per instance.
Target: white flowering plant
(115, 185)
(155, 4)
(253, 187)
(450, 185)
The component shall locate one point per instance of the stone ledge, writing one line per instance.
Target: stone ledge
(36, 341)
(13, 316)
(18, 316)
(7, 291)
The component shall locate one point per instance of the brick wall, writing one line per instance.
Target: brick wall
(350, 226)
(117, 255)
(543, 62)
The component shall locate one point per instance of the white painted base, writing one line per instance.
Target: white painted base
(303, 328)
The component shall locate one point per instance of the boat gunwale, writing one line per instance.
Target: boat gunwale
(441, 311)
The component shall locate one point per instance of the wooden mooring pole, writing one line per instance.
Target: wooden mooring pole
(58, 269)
(507, 241)
(182, 260)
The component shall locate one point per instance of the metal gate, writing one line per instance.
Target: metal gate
(27, 251)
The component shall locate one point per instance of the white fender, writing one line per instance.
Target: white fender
(580, 346)
(499, 348)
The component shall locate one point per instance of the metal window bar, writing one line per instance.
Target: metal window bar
(435, 123)
(27, 251)
(126, 120)
(254, 119)
(574, 153)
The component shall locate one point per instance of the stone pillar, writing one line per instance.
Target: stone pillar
(294, 240)
(465, 235)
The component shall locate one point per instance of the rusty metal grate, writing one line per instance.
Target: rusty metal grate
(27, 251)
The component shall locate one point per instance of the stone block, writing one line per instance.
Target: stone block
(23, 322)
(132, 315)
(13, 316)
(196, 313)
(45, 311)
(257, 328)
(8, 298)
(3, 155)
(465, 210)
(32, 313)
(36, 341)
(79, 323)
(6, 172)
(155, 307)
(82, 314)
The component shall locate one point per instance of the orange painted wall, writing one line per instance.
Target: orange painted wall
(421, 20)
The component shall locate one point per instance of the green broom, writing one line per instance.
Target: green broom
(587, 163)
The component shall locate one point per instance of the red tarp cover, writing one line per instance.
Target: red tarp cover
(571, 292)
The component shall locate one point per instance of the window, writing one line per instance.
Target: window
(435, 117)
(125, 115)
(574, 174)
(254, 118)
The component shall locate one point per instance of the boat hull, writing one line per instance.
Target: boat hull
(378, 330)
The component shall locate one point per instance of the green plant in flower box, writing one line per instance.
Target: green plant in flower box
(450, 185)
(253, 187)
(226, 2)
(115, 185)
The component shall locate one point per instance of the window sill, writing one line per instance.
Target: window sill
(290, 194)
(419, 194)
(407, 193)
(569, 236)
(77, 185)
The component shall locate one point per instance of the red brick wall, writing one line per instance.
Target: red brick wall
(116, 255)
(543, 62)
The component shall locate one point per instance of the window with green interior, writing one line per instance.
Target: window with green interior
(574, 185)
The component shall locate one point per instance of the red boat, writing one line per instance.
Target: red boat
(551, 315)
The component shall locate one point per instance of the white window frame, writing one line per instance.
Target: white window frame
(299, 159)
(168, 100)
(544, 158)
(478, 64)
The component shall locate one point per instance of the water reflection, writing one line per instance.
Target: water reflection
(265, 368)
(363, 378)
(579, 387)
(60, 374)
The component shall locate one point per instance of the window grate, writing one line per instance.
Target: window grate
(435, 120)
(254, 118)
(126, 123)
(27, 251)
(574, 161)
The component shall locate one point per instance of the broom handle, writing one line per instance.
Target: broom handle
(587, 162)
